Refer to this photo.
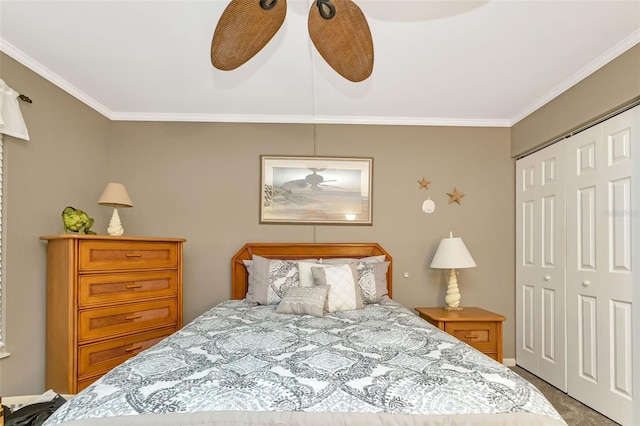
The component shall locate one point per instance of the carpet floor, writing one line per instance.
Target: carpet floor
(572, 411)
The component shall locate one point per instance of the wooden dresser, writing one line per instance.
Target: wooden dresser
(477, 327)
(108, 298)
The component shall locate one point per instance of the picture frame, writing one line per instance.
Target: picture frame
(316, 190)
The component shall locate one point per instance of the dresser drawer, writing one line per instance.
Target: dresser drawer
(480, 335)
(107, 322)
(100, 289)
(116, 255)
(102, 357)
(84, 383)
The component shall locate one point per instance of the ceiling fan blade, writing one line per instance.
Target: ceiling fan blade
(343, 40)
(244, 28)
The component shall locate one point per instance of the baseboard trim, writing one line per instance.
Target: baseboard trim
(509, 362)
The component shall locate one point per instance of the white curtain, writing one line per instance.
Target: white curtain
(12, 124)
(11, 120)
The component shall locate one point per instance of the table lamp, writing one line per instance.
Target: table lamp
(115, 195)
(452, 254)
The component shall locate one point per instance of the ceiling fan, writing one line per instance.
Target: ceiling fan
(338, 29)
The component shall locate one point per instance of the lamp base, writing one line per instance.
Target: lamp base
(453, 294)
(115, 226)
(452, 308)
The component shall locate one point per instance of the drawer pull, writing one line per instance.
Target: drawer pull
(470, 336)
(134, 348)
(132, 286)
(132, 317)
(134, 255)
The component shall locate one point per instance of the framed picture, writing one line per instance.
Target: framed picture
(316, 190)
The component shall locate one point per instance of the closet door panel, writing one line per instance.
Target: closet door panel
(551, 269)
(540, 340)
(586, 221)
(527, 358)
(549, 325)
(528, 222)
(617, 139)
(622, 357)
(583, 307)
(587, 338)
(599, 271)
(620, 225)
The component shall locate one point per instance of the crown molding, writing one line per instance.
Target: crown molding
(308, 119)
(54, 78)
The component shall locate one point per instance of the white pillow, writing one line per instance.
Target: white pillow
(304, 269)
(371, 276)
(344, 294)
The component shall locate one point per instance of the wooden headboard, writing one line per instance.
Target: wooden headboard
(293, 251)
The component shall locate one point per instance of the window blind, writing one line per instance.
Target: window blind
(2, 324)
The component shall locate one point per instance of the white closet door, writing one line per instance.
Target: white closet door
(599, 275)
(540, 265)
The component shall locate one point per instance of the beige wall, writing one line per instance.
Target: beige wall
(201, 182)
(612, 86)
(65, 162)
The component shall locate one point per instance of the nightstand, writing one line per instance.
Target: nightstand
(477, 327)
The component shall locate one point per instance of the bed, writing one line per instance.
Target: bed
(269, 356)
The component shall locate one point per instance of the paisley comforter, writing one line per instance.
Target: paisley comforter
(240, 363)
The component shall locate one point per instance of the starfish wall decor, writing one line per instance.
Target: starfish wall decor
(455, 196)
(424, 183)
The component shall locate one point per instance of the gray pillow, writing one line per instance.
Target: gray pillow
(269, 279)
(372, 280)
(304, 301)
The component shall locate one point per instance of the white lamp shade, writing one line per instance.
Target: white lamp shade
(115, 195)
(452, 254)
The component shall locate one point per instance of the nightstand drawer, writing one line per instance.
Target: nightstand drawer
(115, 288)
(477, 327)
(480, 335)
(108, 322)
(113, 255)
(102, 357)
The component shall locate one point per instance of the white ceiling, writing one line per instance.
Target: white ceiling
(476, 63)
